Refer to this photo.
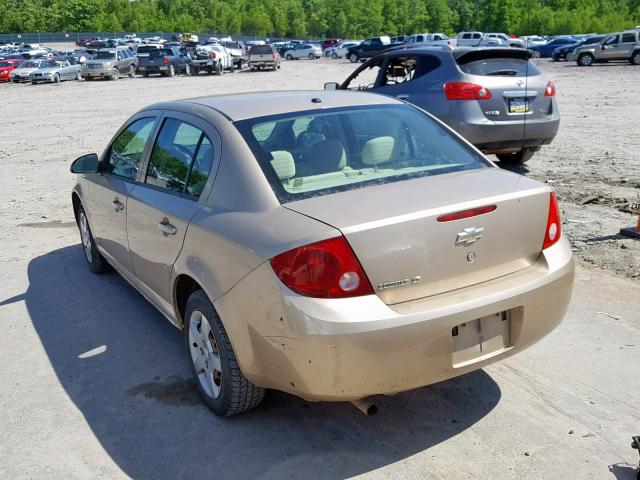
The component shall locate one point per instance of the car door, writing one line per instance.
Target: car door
(160, 207)
(609, 48)
(626, 46)
(109, 190)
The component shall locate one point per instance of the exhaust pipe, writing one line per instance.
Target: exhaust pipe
(365, 406)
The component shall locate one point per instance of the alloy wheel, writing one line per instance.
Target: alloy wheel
(204, 354)
(85, 236)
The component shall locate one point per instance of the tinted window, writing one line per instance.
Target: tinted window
(399, 70)
(261, 50)
(171, 159)
(500, 67)
(628, 38)
(611, 40)
(126, 150)
(323, 152)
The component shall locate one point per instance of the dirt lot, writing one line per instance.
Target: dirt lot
(94, 381)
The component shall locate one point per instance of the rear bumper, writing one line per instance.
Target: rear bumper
(153, 68)
(96, 72)
(260, 63)
(347, 349)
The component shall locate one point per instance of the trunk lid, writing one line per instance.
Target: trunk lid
(394, 231)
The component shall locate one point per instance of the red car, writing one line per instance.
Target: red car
(8, 66)
(330, 42)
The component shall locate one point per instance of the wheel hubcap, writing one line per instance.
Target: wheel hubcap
(85, 237)
(205, 355)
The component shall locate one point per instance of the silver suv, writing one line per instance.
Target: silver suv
(616, 46)
(110, 63)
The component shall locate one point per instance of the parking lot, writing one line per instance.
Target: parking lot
(95, 383)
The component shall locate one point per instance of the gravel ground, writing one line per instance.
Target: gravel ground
(594, 162)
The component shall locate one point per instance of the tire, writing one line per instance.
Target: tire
(171, 72)
(233, 67)
(517, 158)
(89, 79)
(334, 55)
(34, 83)
(635, 58)
(289, 57)
(56, 78)
(221, 384)
(115, 75)
(536, 53)
(78, 76)
(585, 60)
(95, 261)
(132, 72)
(219, 69)
(145, 74)
(353, 58)
(312, 56)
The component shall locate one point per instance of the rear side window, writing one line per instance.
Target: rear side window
(315, 153)
(126, 150)
(628, 38)
(181, 158)
(500, 67)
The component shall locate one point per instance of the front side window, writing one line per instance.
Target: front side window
(126, 151)
(323, 152)
(612, 40)
(181, 158)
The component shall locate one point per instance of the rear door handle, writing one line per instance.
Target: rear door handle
(117, 205)
(402, 96)
(166, 227)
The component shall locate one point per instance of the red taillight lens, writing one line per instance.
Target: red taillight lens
(466, 91)
(552, 233)
(550, 89)
(165, 61)
(326, 269)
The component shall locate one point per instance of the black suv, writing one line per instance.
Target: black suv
(367, 49)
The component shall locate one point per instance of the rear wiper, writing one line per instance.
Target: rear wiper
(512, 73)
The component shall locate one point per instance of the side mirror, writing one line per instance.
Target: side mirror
(331, 86)
(86, 164)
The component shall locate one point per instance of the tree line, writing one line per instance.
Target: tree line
(319, 18)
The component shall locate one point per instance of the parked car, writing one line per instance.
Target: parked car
(434, 38)
(546, 50)
(330, 42)
(623, 46)
(7, 67)
(263, 56)
(166, 61)
(110, 63)
(283, 47)
(23, 69)
(239, 53)
(508, 40)
(212, 59)
(486, 94)
(267, 254)
(304, 50)
(368, 48)
(534, 40)
(561, 53)
(55, 71)
(477, 39)
(340, 50)
(144, 50)
(399, 39)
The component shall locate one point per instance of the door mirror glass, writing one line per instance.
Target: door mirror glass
(86, 164)
(331, 86)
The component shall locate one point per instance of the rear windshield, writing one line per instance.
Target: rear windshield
(146, 49)
(261, 50)
(314, 153)
(500, 67)
(232, 45)
(104, 56)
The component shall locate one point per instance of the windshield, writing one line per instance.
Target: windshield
(50, 64)
(321, 152)
(104, 56)
(146, 49)
(5, 64)
(30, 65)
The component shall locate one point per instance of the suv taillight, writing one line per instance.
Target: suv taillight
(552, 233)
(325, 269)
(165, 61)
(466, 91)
(550, 89)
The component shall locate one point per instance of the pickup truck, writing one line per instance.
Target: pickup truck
(263, 57)
(239, 53)
(164, 61)
(212, 59)
(369, 48)
(478, 39)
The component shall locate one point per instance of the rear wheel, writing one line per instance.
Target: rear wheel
(585, 60)
(219, 69)
(56, 78)
(222, 386)
(635, 58)
(334, 55)
(536, 53)
(114, 74)
(312, 56)
(517, 158)
(95, 261)
(171, 72)
(132, 72)
(232, 68)
(289, 57)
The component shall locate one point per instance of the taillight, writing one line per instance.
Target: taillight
(325, 269)
(550, 89)
(472, 212)
(466, 91)
(165, 61)
(552, 233)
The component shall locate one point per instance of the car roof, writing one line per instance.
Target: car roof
(262, 104)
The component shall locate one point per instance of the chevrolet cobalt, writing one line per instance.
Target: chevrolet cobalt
(330, 245)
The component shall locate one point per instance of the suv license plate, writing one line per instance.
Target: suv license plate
(519, 105)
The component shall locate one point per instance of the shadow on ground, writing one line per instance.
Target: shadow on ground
(123, 366)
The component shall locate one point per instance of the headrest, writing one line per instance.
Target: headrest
(283, 164)
(377, 151)
(326, 156)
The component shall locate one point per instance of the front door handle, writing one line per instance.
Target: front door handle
(166, 227)
(117, 205)
(402, 96)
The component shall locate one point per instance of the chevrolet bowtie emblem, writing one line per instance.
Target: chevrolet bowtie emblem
(469, 236)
